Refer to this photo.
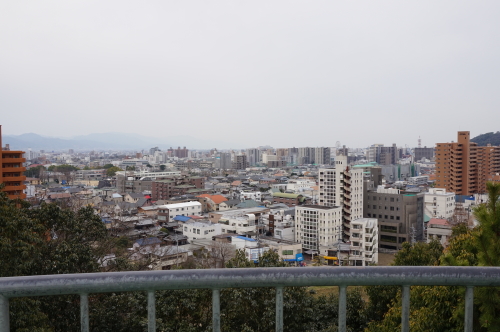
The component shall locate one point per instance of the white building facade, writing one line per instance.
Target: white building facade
(196, 230)
(317, 226)
(181, 209)
(364, 242)
(439, 203)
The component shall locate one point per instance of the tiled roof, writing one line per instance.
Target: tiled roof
(217, 199)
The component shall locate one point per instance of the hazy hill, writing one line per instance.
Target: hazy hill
(488, 138)
(107, 141)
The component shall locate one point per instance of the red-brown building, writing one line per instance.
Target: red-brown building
(11, 171)
(176, 186)
(463, 167)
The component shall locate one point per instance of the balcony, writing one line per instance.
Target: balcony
(13, 160)
(19, 188)
(13, 169)
(20, 178)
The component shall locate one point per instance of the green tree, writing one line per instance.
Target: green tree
(381, 298)
(163, 167)
(34, 172)
(107, 166)
(112, 171)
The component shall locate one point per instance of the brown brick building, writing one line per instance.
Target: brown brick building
(176, 186)
(11, 171)
(463, 167)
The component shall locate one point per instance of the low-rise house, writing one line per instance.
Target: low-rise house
(179, 209)
(440, 230)
(133, 197)
(213, 201)
(255, 195)
(201, 230)
(229, 204)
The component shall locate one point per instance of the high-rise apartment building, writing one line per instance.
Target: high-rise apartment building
(240, 162)
(463, 167)
(253, 156)
(223, 160)
(322, 156)
(342, 186)
(11, 171)
(384, 155)
(179, 153)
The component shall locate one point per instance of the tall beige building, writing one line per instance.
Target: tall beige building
(463, 167)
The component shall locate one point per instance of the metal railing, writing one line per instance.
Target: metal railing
(217, 279)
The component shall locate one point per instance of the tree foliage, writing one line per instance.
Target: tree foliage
(441, 308)
(112, 171)
(488, 138)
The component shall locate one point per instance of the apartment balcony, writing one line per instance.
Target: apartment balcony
(13, 160)
(347, 217)
(346, 195)
(348, 181)
(13, 169)
(347, 210)
(19, 188)
(19, 178)
(347, 202)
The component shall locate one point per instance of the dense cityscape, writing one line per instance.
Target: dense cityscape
(232, 166)
(309, 206)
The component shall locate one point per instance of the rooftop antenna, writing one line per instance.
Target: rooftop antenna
(419, 142)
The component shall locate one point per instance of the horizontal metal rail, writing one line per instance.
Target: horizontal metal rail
(216, 279)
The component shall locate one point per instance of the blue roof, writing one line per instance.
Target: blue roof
(148, 241)
(246, 238)
(181, 218)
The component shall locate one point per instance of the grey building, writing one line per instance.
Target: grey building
(383, 155)
(253, 156)
(425, 152)
(223, 160)
(400, 216)
(240, 162)
(129, 185)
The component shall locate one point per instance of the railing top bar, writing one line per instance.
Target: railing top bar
(250, 277)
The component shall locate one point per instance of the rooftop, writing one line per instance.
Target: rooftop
(319, 207)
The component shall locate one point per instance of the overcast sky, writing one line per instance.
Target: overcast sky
(283, 73)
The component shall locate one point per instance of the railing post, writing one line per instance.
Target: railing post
(84, 313)
(342, 308)
(405, 310)
(469, 308)
(151, 311)
(216, 310)
(4, 314)
(279, 309)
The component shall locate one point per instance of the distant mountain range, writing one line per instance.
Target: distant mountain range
(488, 138)
(108, 141)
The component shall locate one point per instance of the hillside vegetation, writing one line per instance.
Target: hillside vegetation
(488, 138)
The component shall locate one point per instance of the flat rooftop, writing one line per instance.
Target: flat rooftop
(320, 207)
